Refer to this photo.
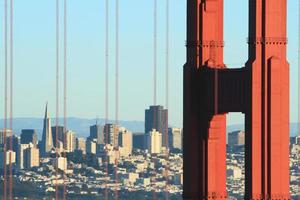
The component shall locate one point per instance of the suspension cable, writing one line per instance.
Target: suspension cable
(167, 98)
(117, 90)
(154, 197)
(155, 53)
(298, 122)
(106, 60)
(299, 69)
(117, 62)
(65, 95)
(11, 101)
(57, 97)
(167, 54)
(5, 101)
(106, 93)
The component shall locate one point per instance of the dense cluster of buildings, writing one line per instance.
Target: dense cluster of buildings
(236, 165)
(139, 160)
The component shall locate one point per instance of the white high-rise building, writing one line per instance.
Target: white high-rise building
(10, 157)
(31, 157)
(20, 155)
(28, 156)
(154, 141)
(91, 146)
(125, 142)
(61, 163)
(70, 144)
(81, 145)
(175, 138)
(234, 172)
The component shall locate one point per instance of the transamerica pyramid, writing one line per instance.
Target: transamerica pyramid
(47, 141)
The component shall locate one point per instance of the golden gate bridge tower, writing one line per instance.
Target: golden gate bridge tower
(260, 90)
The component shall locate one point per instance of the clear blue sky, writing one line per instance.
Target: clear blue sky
(35, 56)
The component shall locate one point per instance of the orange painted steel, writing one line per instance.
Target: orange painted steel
(65, 95)
(154, 52)
(167, 99)
(116, 129)
(57, 98)
(260, 90)
(106, 92)
(11, 98)
(5, 101)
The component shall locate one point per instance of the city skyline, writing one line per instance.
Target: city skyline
(73, 157)
(27, 159)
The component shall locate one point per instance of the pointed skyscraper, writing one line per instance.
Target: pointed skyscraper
(47, 141)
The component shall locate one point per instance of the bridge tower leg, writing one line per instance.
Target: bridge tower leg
(204, 130)
(267, 108)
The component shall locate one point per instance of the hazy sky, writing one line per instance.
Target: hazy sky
(35, 56)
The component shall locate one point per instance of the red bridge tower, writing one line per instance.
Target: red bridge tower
(260, 90)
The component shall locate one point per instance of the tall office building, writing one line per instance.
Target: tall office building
(61, 163)
(15, 142)
(4, 135)
(20, 154)
(31, 157)
(111, 134)
(47, 140)
(154, 141)
(125, 142)
(175, 138)
(60, 134)
(297, 140)
(138, 140)
(156, 117)
(97, 132)
(29, 136)
(70, 141)
(81, 144)
(10, 156)
(236, 138)
(91, 146)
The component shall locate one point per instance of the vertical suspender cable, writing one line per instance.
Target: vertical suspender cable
(65, 93)
(57, 95)
(117, 62)
(106, 62)
(117, 88)
(154, 78)
(167, 54)
(5, 101)
(106, 93)
(155, 53)
(167, 95)
(298, 72)
(299, 68)
(11, 101)
(65, 64)
(154, 61)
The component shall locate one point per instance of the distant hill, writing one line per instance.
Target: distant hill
(81, 126)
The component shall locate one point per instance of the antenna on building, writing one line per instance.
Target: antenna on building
(97, 119)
